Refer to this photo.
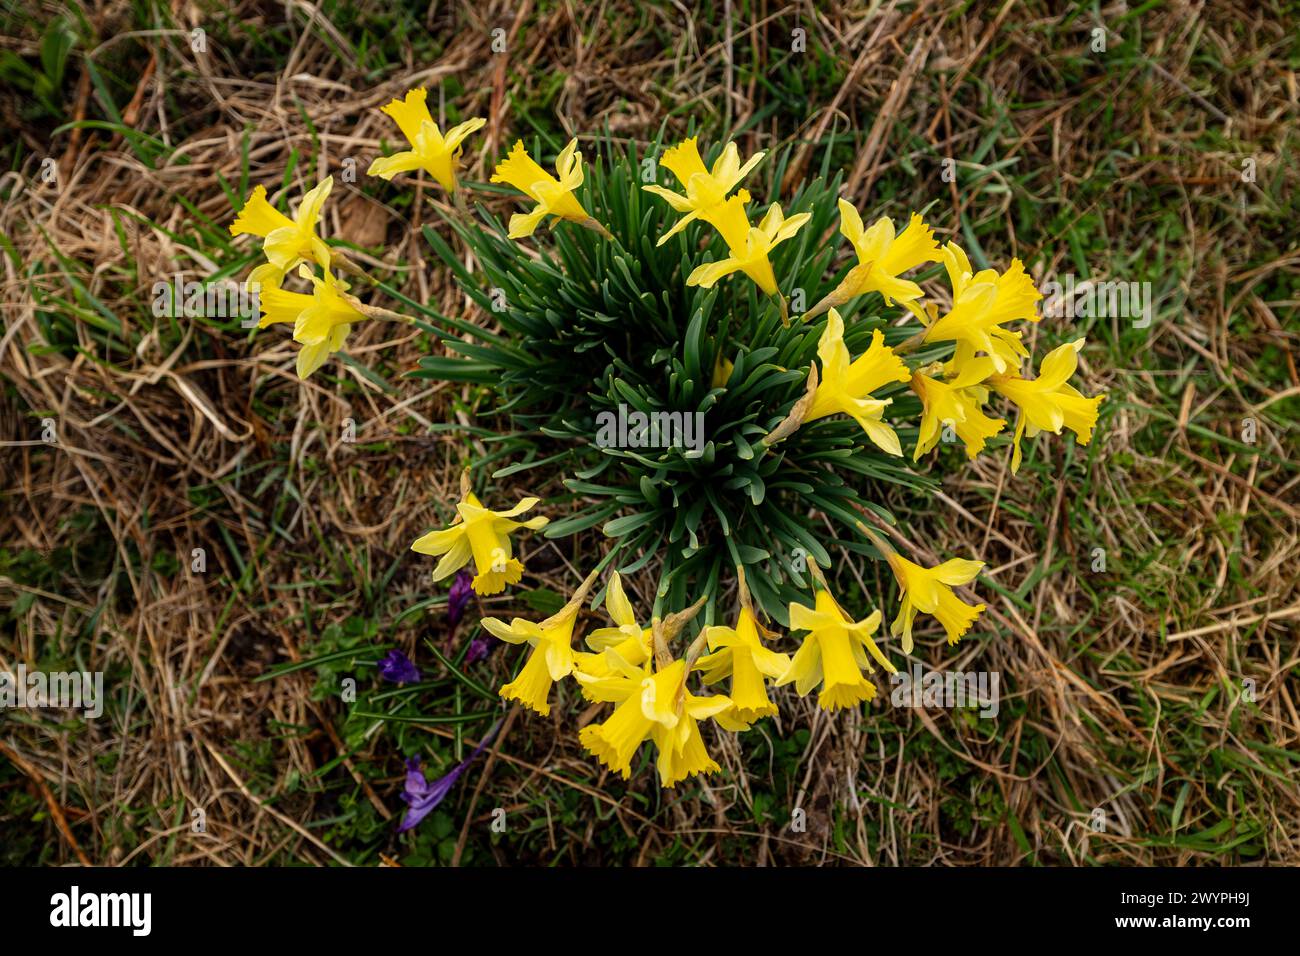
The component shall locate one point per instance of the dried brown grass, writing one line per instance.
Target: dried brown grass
(137, 432)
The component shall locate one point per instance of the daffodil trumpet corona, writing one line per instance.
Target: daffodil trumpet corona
(956, 404)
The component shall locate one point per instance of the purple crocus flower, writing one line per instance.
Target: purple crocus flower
(461, 591)
(422, 796)
(481, 648)
(397, 667)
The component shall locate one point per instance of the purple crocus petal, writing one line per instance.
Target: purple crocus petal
(421, 796)
(398, 669)
(416, 785)
(461, 592)
(481, 648)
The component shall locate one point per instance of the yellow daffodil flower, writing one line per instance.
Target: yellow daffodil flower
(883, 257)
(721, 372)
(929, 590)
(265, 276)
(321, 320)
(550, 660)
(834, 653)
(554, 197)
(285, 241)
(552, 656)
(749, 245)
(431, 150)
(655, 704)
(705, 188)
(612, 678)
(648, 701)
(982, 303)
(682, 753)
(1048, 402)
(958, 403)
(652, 700)
(739, 653)
(629, 642)
(483, 536)
(844, 386)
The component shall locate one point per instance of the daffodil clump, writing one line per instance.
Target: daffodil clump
(774, 366)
